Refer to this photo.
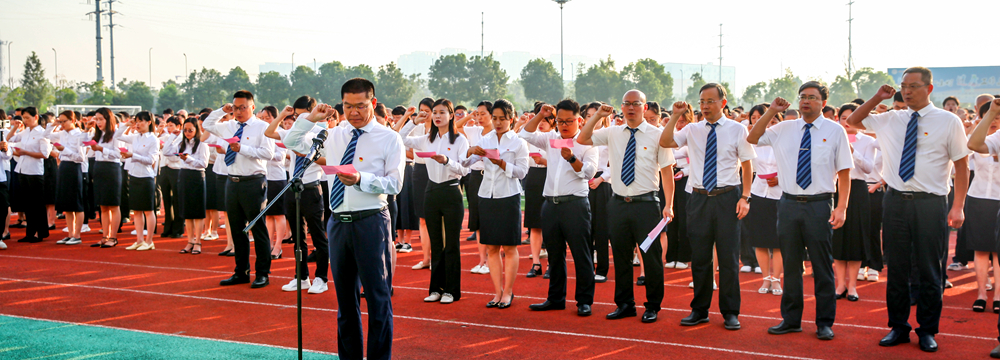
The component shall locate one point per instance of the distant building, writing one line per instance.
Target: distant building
(965, 83)
(282, 68)
(710, 72)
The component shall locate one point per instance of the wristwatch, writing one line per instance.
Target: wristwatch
(747, 198)
(572, 159)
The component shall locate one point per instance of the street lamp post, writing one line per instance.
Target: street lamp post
(151, 68)
(57, 65)
(186, 74)
(562, 69)
(11, 69)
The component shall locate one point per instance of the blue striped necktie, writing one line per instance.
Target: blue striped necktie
(300, 163)
(628, 163)
(230, 154)
(337, 187)
(711, 159)
(908, 164)
(803, 176)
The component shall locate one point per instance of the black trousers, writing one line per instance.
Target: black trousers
(312, 214)
(806, 226)
(444, 213)
(88, 190)
(246, 199)
(173, 222)
(568, 223)
(629, 230)
(325, 194)
(748, 256)
(4, 198)
(875, 261)
(915, 235)
(360, 250)
(599, 199)
(35, 214)
(712, 223)
(678, 245)
(472, 183)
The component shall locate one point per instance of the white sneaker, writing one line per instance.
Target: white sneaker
(65, 230)
(872, 275)
(757, 270)
(406, 248)
(691, 285)
(291, 286)
(318, 286)
(144, 232)
(543, 254)
(434, 297)
(600, 278)
(73, 241)
(715, 286)
(85, 228)
(670, 265)
(681, 265)
(447, 298)
(212, 236)
(745, 269)
(2, 245)
(475, 270)
(419, 265)
(635, 260)
(63, 241)
(484, 269)
(223, 226)
(862, 275)
(956, 266)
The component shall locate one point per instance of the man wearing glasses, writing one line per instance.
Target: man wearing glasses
(718, 151)
(919, 146)
(638, 166)
(246, 160)
(810, 151)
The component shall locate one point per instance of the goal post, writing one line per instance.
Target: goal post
(83, 109)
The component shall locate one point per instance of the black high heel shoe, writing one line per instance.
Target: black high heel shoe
(491, 304)
(112, 242)
(276, 257)
(842, 295)
(226, 253)
(504, 305)
(536, 269)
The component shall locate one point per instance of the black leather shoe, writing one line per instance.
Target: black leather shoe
(235, 280)
(895, 337)
(34, 240)
(546, 276)
(694, 319)
(491, 304)
(471, 237)
(312, 257)
(545, 306)
(649, 316)
(259, 282)
(732, 321)
(640, 281)
(622, 312)
(783, 328)
(536, 269)
(842, 295)
(583, 310)
(995, 353)
(927, 343)
(852, 298)
(824, 333)
(26, 239)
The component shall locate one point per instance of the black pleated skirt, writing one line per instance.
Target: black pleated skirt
(210, 188)
(141, 193)
(273, 188)
(762, 223)
(501, 223)
(220, 191)
(981, 224)
(534, 184)
(420, 179)
(50, 179)
(107, 183)
(599, 198)
(69, 190)
(472, 197)
(850, 242)
(406, 218)
(14, 189)
(191, 192)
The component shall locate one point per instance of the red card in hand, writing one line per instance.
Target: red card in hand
(280, 145)
(215, 145)
(492, 154)
(852, 138)
(767, 176)
(425, 154)
(124, 150)
(56, 144)
(561, 143)
(340, 169)
(535, 154)
(233, 140)
(89, 143)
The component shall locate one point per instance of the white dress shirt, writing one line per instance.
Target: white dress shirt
(72, 142)
(603, 165)
(732, 149)
(499, 183)
(863, 156)
(276, 166)
(455, 153)
(417, 131)
(197, 158)
(986, 184)
(145, 152)
(173, 162)
(560, 177)
(5, 157)
(876, 174)
(314, 172)
(34, 140)
(255, 148)
(475, 134)
(378, 157)
(940, 141)
(765, 163)
(220, 167)
(830, 153)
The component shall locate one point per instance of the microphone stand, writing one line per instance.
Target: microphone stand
(297, 187)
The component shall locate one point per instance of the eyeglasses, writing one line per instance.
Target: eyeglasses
(564, 123)
(633, 104)
(911, 87)
(355, 107)
(809, 98)
(708, 102)
(241, 108)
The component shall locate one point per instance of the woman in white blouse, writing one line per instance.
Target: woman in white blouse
(107, 175)
(981, 207)
(193, 155)
(500, 199)
(69, 189)
(762, 220)
(32, 149)
(443, 209)
(141, 176)
(851, 242)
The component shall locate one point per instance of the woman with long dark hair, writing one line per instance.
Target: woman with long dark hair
(851, 241)
(141, 176)
(762, 220)
(32, 149)
(420, 177)
(69, 190)
(443, 207)
(193, 156)
(107, 174)
(51, 164)
(481, 125)
(534, 185)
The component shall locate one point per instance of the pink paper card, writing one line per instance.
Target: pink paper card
(124, 150)
(56, 144)
(492, 154)
(425, 154)
(852, 138)
(280, 145)
(561, 143)
(89, 143)
(535, 154)
(233, 140)
(215, 145)
(655, 234)
(767, 176)
(340, 169)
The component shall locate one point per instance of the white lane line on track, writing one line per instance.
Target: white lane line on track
(553, 332)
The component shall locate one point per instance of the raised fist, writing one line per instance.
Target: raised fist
(780, 105)
(320, 112)
(547, 111)
(423, 116)
(228, 108)
(605, 110)
(680, 108)
(885, 92)
(995, 105)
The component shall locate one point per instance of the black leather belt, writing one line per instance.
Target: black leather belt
(650, 196)
(563, 199)
(237, 179)
(807, 198)
(310, 184)
(912, 195)
(352, 216)
(716, 191)
(431, 185)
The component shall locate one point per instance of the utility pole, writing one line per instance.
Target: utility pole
(720, 54)
(482, 34)
(562, 68)
(97, 17)
(11, 67)
(293, 62)
(850, 21)
(2, 43)
(186, 73)
(57, 67)
(150, 68)
(111, 29)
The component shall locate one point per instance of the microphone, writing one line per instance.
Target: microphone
(315, 152)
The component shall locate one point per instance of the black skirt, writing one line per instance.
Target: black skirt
(220, 191)
(762, 223)
(191, 192)
(142, 193)
(50, 179)
(534, 184)
(420, 179)
(502, 221)
(69, 191)
(13, 188)
(980, 224)
(599, 198)
(472, 197)
(210, 188)
(107, 183)
(273, 188)
(406, 218)
(850, 242)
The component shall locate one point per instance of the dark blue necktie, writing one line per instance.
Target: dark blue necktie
(337, 187)
(628, 163)
(908, 164)
(711, 159)
(230, 154)
(803, 176)
(300, 163)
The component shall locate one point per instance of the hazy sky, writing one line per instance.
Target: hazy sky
(760, 37)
